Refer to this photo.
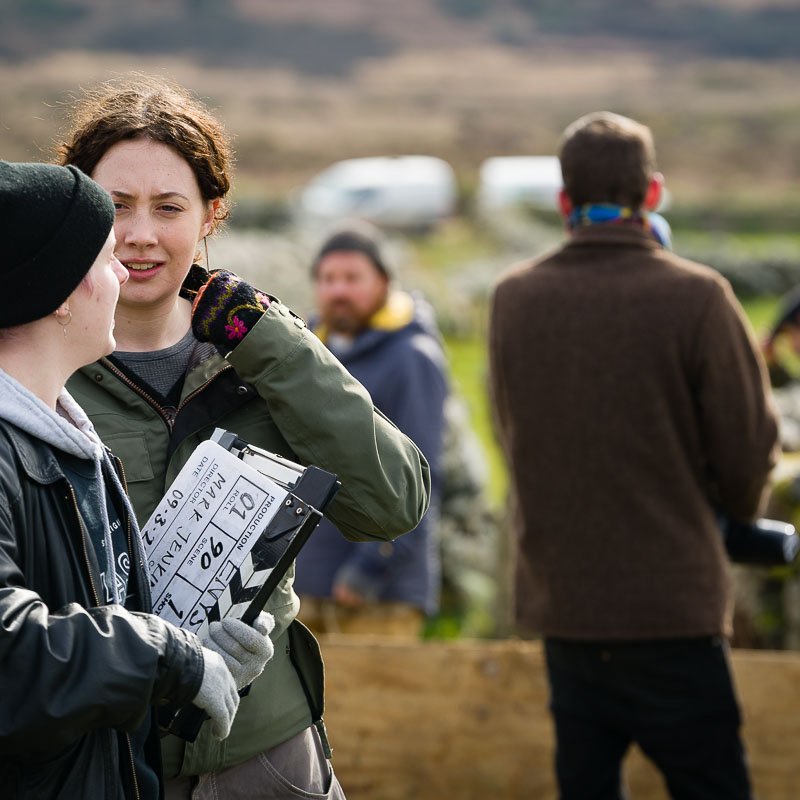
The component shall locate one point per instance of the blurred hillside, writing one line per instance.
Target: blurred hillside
(331, 36)
(303, 84)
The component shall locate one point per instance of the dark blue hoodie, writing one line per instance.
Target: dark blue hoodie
(399, 359)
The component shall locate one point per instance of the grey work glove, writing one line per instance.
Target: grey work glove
(244, 649)
(217, 696)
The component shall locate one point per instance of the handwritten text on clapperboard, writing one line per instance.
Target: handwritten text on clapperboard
(205, 525)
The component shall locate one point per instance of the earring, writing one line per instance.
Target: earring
(205, 245)
(64, 325)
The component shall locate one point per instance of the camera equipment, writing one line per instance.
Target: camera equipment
(764, 542)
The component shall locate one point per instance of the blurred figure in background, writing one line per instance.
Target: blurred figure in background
(781, 349)
(389, 342)
(781, 346)
(633, 407)
(468, 531)
(771, 599)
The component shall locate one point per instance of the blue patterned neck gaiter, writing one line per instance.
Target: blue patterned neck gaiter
(611, 214)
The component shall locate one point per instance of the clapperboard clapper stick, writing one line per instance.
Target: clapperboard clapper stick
(309, 490)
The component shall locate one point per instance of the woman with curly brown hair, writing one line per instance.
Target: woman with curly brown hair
(197, 351)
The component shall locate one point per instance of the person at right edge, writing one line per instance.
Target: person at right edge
(199, 350)
(633, 407)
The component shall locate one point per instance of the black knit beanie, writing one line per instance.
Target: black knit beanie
(358, 240)
(54, 222)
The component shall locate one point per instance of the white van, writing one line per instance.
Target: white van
(534, 181)
(407, 192)
(506, 181)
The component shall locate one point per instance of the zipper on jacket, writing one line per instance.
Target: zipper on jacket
(167, 414)
(136, 794)
(84, 538)
(117, 462)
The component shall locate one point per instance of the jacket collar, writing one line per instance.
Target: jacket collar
(396, 313)
(37, 459)
(66, 428)
(198, 373)
(612, 235)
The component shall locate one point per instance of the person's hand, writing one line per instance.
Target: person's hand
(217, 695)
(225, 309)
(244, 649)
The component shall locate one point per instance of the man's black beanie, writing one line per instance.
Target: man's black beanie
(361, 239)
(54, 222)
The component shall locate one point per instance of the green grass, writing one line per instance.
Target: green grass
(468, 364)
(453, 243)
(760, 311)
(754, 244)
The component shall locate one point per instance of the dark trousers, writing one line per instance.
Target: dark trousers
(673, 698)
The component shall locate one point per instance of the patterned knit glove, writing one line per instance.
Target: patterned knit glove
(225, 309)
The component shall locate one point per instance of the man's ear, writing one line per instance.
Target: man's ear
(655, 190)
(564, 204)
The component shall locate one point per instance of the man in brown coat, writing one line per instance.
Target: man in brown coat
(633, 408)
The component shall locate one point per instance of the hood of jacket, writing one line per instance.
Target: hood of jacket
(67, 429)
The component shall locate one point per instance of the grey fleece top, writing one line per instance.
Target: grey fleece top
(67, 429)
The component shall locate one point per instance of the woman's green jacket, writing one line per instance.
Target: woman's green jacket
(279, 389)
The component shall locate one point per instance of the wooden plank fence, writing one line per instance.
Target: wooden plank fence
(468, 721)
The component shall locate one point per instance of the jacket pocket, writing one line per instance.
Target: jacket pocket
(131, 449)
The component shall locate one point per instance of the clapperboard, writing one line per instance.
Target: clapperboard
(223, 536)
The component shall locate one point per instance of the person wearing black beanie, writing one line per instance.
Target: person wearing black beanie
(54, 222)
(355, 236)
(82, 658)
